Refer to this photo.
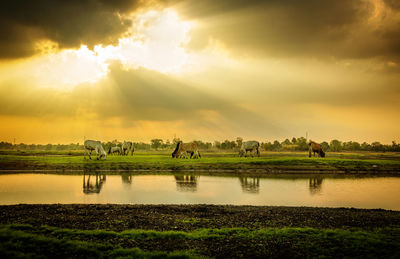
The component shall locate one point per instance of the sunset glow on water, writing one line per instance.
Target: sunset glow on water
(315, 191)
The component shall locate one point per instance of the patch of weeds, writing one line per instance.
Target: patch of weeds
(188, 220)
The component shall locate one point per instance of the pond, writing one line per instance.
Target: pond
(292, 190)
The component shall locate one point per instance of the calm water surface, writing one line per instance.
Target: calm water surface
(370, 192)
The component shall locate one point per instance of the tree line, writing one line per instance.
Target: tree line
(295, 144)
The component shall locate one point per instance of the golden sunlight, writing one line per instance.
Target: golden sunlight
(156, 44)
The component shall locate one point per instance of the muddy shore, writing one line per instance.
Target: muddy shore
(176, 217)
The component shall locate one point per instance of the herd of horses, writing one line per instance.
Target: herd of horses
(124, 149)
(183, 150)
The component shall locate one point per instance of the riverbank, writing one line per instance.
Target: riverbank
(198, 230)
(268, 163)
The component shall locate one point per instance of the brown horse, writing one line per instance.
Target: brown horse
(315, 148)
(182, 148)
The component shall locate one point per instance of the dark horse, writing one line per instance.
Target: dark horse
(315, 148)
(186, 148)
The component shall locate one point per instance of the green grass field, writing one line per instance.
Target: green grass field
(268, 162)
(27, 240)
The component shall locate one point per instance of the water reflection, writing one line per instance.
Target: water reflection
(126, 179)
(185, 183)
(93, 184)
(315, 184)
(275, 190)
(250, 184)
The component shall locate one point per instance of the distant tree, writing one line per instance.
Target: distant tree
(228, 144)
(347, 145)
(355, 146)
(276, 146)
(325, 146)
(377, 146)
(207, 145)
(395, 147)
(293, 140)
(203, 145)
(239, 141)
(141, 146)
(5, 145)
(156, 143)
(365, 146)
(223, 145)
(267, 146)
(335, 146)
(301, 144)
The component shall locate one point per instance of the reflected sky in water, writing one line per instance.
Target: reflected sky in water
(366, 192)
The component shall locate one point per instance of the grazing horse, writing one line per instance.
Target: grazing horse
(95, 145)
(115, 150)
(182, 148)
(315, 148)
(251, 146)
(127, 147)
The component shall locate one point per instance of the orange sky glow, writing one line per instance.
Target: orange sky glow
(137, 70)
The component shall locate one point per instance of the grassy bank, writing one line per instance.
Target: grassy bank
(268, 162)
(138, 231)
(23, 240)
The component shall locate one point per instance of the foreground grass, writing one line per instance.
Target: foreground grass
(272, 162)
(22, 244)
(26, 240)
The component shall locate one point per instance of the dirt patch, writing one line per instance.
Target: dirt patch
(191, 217)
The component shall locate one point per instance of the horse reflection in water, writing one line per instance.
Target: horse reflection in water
(93, 184)
(127, 179)
(250, 184)
(186, 183)
(315, 184)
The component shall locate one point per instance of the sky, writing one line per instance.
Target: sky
(199, 70)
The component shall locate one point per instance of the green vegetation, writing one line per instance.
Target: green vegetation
(210, 161)
(22, 244)
(28, 240)
(296, 144)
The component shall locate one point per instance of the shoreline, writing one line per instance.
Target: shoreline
(163, 217)
(215, 172)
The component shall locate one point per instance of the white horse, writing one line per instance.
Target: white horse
(251, 146)
(95, 145)
(113, 150)
(127, 147)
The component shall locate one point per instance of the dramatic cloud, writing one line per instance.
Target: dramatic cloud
(312, 28)
(23, 24)
(206, 69)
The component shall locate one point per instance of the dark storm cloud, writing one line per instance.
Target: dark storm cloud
(311, 28)
(70, 23)
(289, 28)
(395, 4)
